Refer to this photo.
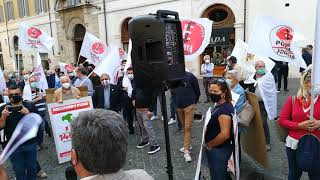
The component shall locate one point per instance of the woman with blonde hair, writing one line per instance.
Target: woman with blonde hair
(295, 117)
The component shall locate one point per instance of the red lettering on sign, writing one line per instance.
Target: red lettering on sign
(70, 107)
(64, 154)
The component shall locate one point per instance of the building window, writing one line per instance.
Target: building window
(9, 10)
(73, 2)
(1, 58)
(44, 60)
(23, 8)
(125, 34)
(41, 6)
(1, 15)
(17, 52)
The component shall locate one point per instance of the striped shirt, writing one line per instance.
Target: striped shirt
(40, 104)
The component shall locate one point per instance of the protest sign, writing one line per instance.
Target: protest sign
(26, 129)
(276, 39)
(61, 115)
(93, 49)
(34, 39)
(123, 55)
(66, 67)
(196, 37)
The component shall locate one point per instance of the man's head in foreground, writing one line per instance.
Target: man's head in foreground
(99, 142)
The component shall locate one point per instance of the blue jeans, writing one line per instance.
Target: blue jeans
(294, 172)
(24, 162)
(218, 161)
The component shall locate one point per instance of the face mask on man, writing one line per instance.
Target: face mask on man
(105, 82)
(34, 85)
(66, 85)
(130, 76)
(261, 71)
(207, 61)
(26, 77)
(15, 98)
(229, 82)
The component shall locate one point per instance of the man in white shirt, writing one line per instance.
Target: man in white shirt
(207, 73)
(105, 156)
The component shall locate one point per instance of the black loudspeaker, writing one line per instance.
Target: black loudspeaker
(157, 49)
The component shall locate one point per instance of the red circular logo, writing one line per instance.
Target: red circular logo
(69, 67)
(285, 34)
(34, 32)
(98, 48)
(193, 36)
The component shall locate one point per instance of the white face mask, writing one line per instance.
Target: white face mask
(207, 61)
(130, 76)
(66, 85)
(26, 76)
(105, 82)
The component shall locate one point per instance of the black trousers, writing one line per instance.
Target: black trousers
(283, 72)
(128, 115)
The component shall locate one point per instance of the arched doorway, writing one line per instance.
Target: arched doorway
(79, 33)
(223, 36)
(125, 34)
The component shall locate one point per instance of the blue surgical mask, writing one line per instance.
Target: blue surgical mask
(229, 82)
(6, 99)
(34, 85)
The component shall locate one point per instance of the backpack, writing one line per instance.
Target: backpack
(308, 153)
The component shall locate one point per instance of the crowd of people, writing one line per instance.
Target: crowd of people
(109, 130)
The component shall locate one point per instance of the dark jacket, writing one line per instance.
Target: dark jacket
(188, 94)
(307, 57)
(51, 79)
(116, 97)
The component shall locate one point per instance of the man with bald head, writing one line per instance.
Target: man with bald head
(107, 95)
(66, 91)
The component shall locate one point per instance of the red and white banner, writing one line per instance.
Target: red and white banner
(196, 37)
(39, 74)
(93, 49)
(110, 65)
(34, 39)
(61, 115)
(66, 67)
(276, 39)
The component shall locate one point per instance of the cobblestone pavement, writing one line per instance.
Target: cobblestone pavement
(155, 164)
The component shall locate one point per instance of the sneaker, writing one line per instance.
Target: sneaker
(154, 149)
(142, 145)
(182, 149)
(154, 118)
(268, 147)
(187, 156)
(41, 174)
(172, 121)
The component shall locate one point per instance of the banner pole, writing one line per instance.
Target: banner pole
(78, 60)
(18, 64)
(86, 78)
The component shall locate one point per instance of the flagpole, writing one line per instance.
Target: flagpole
(78, 60)
(316, 48)
(18, 64)
(86, 78)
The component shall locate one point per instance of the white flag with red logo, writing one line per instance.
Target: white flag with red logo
(34, 39)
(196, 37)
(66, 67)
(276, 39)
(110, 65)
(93, 49)
(123, 55)
(40, 76)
